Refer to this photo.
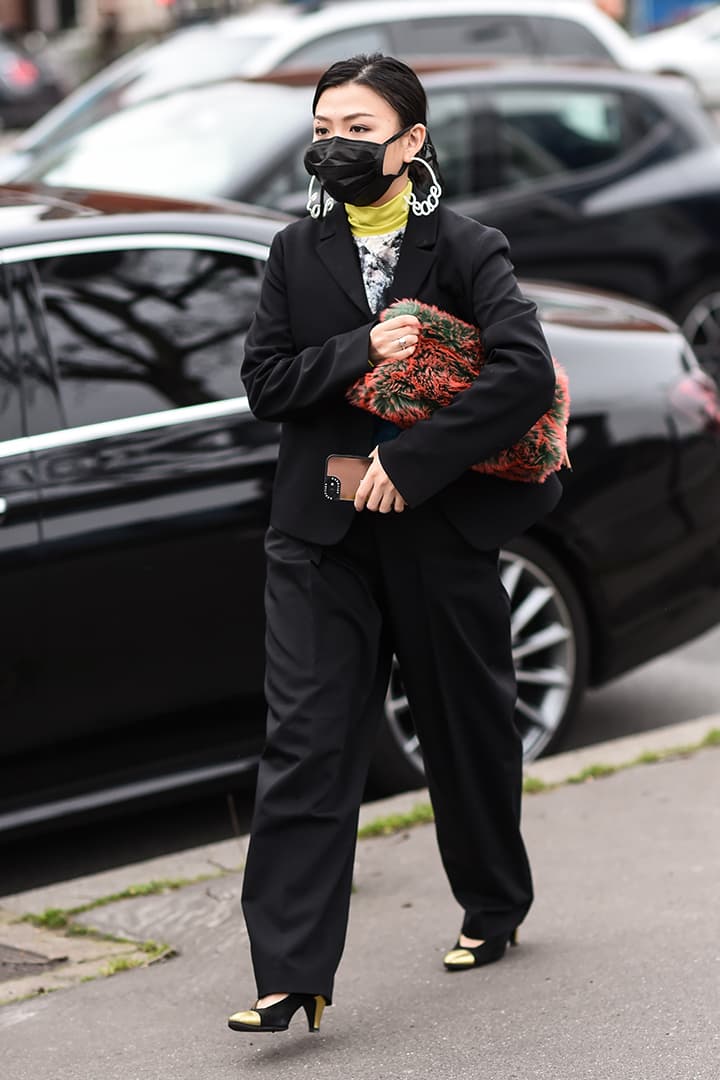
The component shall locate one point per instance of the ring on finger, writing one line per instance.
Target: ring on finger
(401, 342)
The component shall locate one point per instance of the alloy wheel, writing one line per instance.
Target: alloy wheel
(545, 655)
(701, 326)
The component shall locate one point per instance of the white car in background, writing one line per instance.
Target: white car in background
(292, 39)
(691, 49)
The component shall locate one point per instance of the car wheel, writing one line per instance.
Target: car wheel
(551, 651)
(698, 314)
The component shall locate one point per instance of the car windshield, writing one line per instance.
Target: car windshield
(200, 143)
(189, 58)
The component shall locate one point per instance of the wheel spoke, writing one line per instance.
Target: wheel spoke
(510, 575)
(397, 703)
(554, 634)
(536, 599)
(554, 676)
(412, 745)
(533, 715)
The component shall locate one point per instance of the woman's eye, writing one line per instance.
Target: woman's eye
(358, 127)
(320, 131)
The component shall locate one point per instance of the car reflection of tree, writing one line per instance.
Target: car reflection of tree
(121, 325)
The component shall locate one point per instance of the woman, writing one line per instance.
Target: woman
(411, 567)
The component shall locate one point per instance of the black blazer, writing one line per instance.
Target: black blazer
(310, 339)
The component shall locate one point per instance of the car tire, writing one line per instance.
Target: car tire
(551, 646)
(698, 314)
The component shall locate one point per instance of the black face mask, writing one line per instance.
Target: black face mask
(351, 170)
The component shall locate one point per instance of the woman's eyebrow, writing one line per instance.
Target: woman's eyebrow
(351, 116)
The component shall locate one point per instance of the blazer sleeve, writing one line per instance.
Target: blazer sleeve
(514, 388)
(280, 381)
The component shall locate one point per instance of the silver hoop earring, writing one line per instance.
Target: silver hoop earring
(426, 206)
(318, 202)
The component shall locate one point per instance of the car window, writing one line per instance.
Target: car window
(337, 46)
(467, 35)
(450, 124)
(192, 144)
(567, 38)
(544, 131)
(141, 331)
(192, 56)
(285, 188)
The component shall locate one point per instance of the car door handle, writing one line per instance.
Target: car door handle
(3, 509)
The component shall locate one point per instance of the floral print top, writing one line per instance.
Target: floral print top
(378, 259)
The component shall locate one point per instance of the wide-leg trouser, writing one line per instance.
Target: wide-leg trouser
(410, 583)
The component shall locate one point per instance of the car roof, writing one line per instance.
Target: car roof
(36, 213)
(327, 16)
(554, 74)
(294, 26)
(587, 308)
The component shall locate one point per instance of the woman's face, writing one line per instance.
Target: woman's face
(357, 112)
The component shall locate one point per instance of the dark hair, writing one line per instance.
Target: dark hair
(397, 84)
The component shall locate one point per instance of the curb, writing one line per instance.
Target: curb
(228, 856)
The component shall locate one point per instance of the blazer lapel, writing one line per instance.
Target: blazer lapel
(417, 255)
(336, 248)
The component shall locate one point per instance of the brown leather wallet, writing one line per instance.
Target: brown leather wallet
(343, 473)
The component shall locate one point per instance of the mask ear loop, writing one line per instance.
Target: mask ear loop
(318, 202)
(426, 206)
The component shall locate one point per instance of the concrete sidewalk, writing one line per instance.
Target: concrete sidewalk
(617, 974)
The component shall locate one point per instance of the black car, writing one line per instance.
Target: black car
(28, 86)
(601, 178)
(135, 487)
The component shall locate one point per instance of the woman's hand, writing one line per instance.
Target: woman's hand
(395, 337)
(377, 491)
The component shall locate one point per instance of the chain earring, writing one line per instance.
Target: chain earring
(318, 202)
(426, 206)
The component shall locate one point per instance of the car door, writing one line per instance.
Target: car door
(19, 527)
(154, 481)
(566, 158)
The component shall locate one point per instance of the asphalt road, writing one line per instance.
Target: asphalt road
(682, 685)
(615, 977)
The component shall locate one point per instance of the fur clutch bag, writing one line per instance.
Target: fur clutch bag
(447, 359)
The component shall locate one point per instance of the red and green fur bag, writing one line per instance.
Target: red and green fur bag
(447, 359)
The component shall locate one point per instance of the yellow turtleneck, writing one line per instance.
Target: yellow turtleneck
(378, 220)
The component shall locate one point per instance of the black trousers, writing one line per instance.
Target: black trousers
(410, 583)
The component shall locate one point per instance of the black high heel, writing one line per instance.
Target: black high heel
(277, 1017)
(463, 957)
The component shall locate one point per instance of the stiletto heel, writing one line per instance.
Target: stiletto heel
(463, 957)
(277, 1017)
(314, 1010)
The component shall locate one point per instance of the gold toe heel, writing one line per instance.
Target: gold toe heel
(464, 957)
(277, 1017)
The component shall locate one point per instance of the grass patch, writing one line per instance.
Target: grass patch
(533, 785)
(595, 772)
(50, 919)
(153, 950)
(421, 814)
(121, 963)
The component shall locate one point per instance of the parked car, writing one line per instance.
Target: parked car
(690, 49)
(135, 487)
(28, 85)
(293, 38)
